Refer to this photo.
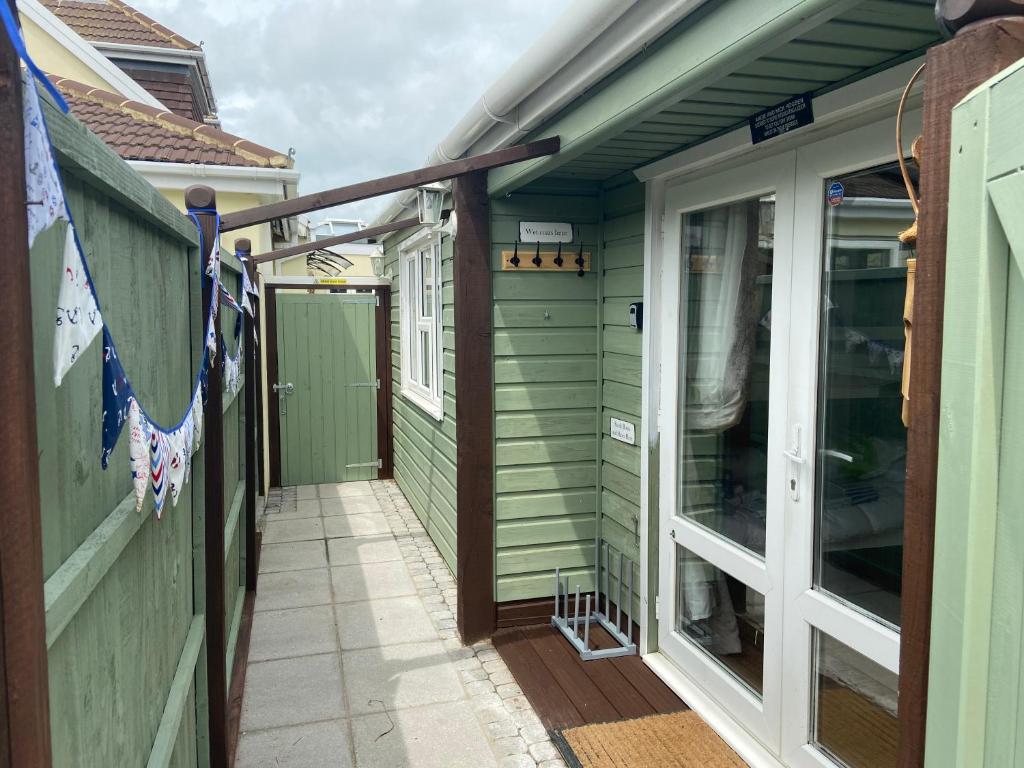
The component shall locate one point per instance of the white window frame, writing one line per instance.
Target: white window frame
(427, 395)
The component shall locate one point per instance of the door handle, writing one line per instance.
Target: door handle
(796, 460)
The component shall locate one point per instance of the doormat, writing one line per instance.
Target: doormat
(678, 740)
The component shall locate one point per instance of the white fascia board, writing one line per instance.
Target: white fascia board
(86, 52)
(268, 182)
(150, 53)
(833, 112)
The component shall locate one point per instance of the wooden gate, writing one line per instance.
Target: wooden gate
(327, 385)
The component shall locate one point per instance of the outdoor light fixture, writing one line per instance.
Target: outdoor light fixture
(430, 198)
(377, 263)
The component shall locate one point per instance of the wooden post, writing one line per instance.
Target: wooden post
(201, 200)
(474, 409)
(954, 69)
(24, 696)
(243, 249)
(385, 434)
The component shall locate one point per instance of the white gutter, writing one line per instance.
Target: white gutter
(269, 182)
(588, 42)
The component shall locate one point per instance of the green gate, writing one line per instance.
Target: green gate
(327, 370)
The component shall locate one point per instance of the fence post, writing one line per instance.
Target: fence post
(24, 684)
(243, 250)
(202, 201)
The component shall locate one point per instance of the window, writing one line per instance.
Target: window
(422, 377)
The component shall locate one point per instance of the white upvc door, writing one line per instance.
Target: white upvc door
(812, 614)
(803, 621)
(753, 702)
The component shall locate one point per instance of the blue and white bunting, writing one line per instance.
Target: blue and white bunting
(78, 319)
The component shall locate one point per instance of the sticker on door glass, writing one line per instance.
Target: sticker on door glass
(836, 193)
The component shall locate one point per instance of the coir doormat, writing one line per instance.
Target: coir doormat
(678, 740)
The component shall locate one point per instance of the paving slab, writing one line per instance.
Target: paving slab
(336, 490)
(383, 622)
(293, 556)
(363, 549)
(306, 492)
(292, 692)
(306, 529)
(371, 581)
(291, 633)
(400, 676)
(317, 745)
(435, 736)
(356, 525)
(292, 589)
(352, 505)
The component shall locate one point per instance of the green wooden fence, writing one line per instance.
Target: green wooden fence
(125, 593)
(976, 695)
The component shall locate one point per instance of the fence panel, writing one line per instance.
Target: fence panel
(123, 635)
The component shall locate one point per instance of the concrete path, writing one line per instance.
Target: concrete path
(354, 660)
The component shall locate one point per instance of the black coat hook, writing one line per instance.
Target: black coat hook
(580, 262)
(536, 259)
(559, 261)
(515, 256)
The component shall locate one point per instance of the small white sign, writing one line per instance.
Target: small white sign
(623, 431)
(545, 232)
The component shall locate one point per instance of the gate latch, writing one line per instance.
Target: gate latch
(288, 389)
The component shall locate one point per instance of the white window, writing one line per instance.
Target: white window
(422, 379)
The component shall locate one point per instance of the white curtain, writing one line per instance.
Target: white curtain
(721, 341)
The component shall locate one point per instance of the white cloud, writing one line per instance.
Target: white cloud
(360, 88)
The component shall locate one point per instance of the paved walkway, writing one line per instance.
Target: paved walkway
(354, 660)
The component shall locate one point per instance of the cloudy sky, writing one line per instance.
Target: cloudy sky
(360, 88)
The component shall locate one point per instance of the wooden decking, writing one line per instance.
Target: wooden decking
(568, 692)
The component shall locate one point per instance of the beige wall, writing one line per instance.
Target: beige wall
(54, 59)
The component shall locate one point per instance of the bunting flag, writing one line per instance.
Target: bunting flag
(232, 366)
(43, 192)
(247, 289)
(228, 299)
(117, 397)
(78, 319)
(158, 450)
(138, 451)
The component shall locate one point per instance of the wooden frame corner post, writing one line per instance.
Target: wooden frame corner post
(954, 69)
(474, 409)
(202, 201)
(24, 681)
(243, 250)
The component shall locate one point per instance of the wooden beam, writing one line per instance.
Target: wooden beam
(198, 199)
(243, 249)
(954, 70)
(24, 698)
(385, 424)
(351, 237)
(474, 410)
(389, 184)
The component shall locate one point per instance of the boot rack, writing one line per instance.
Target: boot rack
(570, 627)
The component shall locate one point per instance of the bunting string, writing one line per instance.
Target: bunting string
(160, 457)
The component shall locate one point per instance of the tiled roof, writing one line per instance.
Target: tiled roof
(172, 89)
(138, 131)
(113, 21)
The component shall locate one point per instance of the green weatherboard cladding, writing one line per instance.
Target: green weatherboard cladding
(424, 448)
(546, 369)
(326, 348)
(124, 592)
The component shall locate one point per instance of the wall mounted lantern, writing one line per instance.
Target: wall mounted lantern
(430, 199)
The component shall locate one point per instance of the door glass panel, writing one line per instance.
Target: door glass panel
(726, 290)
(426, 358)
(861, 440)
(721, 616)
(855, 706)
